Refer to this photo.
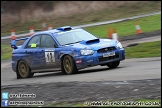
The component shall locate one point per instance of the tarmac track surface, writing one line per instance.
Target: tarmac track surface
(129, 69)
(133, 79)
(73, 92)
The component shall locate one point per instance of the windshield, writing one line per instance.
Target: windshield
(73, 36)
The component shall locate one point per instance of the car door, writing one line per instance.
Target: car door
(33, 53)
(47, 45)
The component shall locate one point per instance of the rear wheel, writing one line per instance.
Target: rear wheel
(23, 70)
(68, 65)
(113, 64)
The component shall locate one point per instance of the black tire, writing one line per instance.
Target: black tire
(113, 64)
(68, 65)
(23, 70)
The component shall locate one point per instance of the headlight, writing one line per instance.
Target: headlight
(86, 52)
(119, 45)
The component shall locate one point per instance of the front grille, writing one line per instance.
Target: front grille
(108, 49)
(108, 58)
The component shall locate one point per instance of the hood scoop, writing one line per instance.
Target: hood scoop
(92, 41)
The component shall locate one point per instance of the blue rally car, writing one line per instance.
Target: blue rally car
(67, 49)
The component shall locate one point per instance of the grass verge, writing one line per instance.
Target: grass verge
(6, 51)
(148, 49)
(126, 28)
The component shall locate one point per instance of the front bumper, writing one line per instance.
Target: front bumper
(98, 59)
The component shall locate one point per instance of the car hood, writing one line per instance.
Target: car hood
(94, 44)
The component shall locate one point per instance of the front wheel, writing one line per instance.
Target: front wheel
(68, 65)
(23, 70)
(113, 64)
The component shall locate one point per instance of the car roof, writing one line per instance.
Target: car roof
(60, 29)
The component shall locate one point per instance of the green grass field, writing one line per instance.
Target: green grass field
(125, 28)
(148, 49)
(6, 51)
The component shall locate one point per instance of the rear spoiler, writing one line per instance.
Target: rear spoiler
(13, 41)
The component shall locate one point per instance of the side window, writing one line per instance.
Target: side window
(35, 40)
(47, 41)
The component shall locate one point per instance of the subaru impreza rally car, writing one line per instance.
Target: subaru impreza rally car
(67, 49)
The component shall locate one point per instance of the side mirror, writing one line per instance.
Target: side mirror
(13, 44)
(55, 46)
